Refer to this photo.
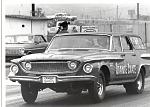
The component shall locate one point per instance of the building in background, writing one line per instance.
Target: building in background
(20, 24)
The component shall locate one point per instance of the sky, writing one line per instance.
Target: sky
(77, 1)
(105, 9)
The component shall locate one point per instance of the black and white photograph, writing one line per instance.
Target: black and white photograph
(75, 53)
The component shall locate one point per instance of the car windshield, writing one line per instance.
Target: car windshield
(19, 39)
(100, 42)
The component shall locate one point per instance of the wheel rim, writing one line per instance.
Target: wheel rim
(139, 82)
(100, 88)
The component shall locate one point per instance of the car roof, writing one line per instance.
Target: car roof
(60, 13)
(23, 35)
(97, 33)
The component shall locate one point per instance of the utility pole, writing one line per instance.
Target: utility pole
(117, 13)
(145, 34)
(100, 14)
(138, 11)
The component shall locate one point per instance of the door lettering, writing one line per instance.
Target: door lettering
(125, 69)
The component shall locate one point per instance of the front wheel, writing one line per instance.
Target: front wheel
(97, 89)
(74, 92)
(29, 92)
(136, 87)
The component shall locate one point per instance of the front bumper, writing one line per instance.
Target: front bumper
(52, 78)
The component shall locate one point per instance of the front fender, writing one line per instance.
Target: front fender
(97, 68)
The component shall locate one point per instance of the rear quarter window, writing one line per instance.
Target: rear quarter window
(39, 39)
(137, 42)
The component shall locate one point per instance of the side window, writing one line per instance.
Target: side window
(38, 39)
(137, 42)
(116, 44)
(126, 44)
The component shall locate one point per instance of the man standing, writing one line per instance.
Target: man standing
(63, 27)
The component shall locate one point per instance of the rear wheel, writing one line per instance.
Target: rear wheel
(29, 92)
(136, 87)
(97, 89)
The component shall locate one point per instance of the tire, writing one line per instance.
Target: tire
(97, 89)
(136, 87)
(29, 92)
(28, 53)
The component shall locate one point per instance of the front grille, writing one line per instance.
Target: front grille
(50, 66)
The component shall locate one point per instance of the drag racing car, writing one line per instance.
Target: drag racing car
(79, 62)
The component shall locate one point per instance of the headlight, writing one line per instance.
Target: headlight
(72, 65)
(22, 50)
(27, 65)
(87, 68)
(14, 68)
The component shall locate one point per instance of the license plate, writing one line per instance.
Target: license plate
(49, 79)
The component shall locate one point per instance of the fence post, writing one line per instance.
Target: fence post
(110, 27)
(80, 28)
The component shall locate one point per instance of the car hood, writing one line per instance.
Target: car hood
(69, 55)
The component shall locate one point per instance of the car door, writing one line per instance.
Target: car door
(119, 63)
(125, 66)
